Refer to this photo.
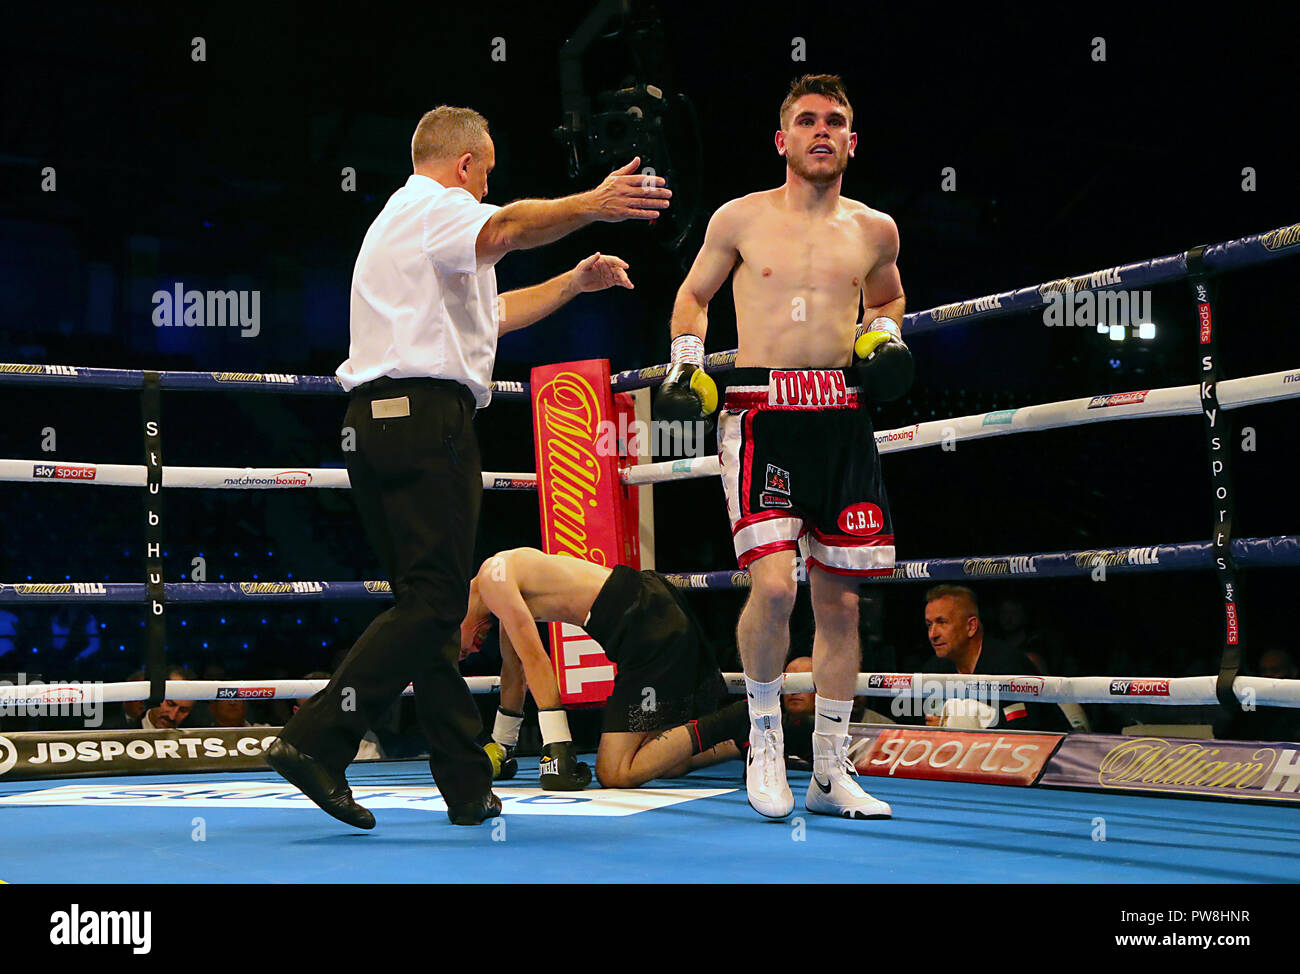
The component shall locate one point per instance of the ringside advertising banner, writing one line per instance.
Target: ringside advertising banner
(1249, 770)
(983, 757)
(580, 495)
(66, 754)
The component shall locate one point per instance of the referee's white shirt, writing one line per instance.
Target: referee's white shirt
(423, 305)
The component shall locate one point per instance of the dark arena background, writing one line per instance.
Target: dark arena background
(247, 147)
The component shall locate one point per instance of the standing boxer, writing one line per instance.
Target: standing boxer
(799, 463)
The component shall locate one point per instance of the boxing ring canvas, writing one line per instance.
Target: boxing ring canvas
(254, 828)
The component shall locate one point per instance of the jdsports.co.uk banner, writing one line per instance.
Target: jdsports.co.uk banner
(64, 754)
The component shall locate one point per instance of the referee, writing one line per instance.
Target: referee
(425, 318)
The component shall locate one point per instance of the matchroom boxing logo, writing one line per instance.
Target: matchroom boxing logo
(918, 695)
(35, 699)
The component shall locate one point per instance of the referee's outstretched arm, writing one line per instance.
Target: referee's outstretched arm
(623, 195)
(521, 307)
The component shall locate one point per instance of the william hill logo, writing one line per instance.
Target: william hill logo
(1085, 282)
(961, 309)
(19, 369)
(1014, 565)
(568, 413)
(1125, 556)
(1281, 238)
(1154, 761)
(280, 588)
(61, 588)
(276, 377)
(376, 587)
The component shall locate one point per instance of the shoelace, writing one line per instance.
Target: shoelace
(842, 763)
(771, 751)
(842, 757)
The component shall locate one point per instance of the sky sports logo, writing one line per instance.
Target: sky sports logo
(1139, 688)
(889, 681)
(62, 471)
(1119, 399)
(245, 693)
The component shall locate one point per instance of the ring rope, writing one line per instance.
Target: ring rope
(1144, 404)
(1280, 551)
(1187, 691)
(229, 478)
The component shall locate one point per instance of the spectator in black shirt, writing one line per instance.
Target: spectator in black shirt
(961, 645)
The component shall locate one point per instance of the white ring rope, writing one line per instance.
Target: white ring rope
(230, 478)
(1188, 691)
(1142, 404)
(1153, 403)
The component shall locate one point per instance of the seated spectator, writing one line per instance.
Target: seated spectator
(961, 645)
(167, 715)
(131, 711)
(229, 713)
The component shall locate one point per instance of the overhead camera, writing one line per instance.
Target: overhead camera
(604, 131)
(629, 122)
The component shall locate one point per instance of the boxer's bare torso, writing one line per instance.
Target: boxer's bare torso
(799, 276)
(556, 588)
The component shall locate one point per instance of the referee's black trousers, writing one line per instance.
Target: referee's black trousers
(417, 481)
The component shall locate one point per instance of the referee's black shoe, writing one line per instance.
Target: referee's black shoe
(475, 812)
(328, 789)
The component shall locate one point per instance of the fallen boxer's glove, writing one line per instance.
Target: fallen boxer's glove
(504, 765)
(561, 770)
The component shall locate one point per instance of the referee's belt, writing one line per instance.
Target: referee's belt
(386, 386)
